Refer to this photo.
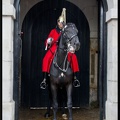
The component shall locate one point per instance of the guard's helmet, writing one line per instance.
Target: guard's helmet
(62, 18)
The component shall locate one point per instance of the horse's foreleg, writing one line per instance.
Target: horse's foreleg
(55, 103)
(63, 107)
(69, 100)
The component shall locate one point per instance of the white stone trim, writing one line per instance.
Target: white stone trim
(111, 111)
(8, 110)
(111, 14)
(8, 10)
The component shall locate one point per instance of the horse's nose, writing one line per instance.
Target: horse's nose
(77, 46)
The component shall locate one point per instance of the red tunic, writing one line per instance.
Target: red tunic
(47, 60)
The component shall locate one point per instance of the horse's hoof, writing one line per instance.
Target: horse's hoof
(47, 115)
(64, 116)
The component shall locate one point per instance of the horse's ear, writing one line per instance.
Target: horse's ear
(74, 27)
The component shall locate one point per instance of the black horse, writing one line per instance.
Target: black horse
(61, 74)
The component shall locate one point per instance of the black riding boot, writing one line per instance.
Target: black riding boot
(43, 84)
(44, 75)
(76, 82)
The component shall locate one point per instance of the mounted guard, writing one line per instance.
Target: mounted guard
(51, 45)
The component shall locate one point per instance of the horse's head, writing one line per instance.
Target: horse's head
(70, 38)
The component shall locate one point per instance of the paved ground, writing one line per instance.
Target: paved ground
(78, 114)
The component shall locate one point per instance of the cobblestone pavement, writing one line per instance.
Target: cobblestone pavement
(78, 114)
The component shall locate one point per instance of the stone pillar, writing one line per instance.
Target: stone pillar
(93, 71)
(8, 16)
(112, 65)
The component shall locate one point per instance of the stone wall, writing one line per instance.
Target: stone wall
(112, 61)
(8, 16)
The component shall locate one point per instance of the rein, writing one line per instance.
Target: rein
(63, 70)
(55, 63)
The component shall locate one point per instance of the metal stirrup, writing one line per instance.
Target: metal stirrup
(76, 81)
(43, 84)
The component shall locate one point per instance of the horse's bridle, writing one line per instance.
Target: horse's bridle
(55, 63)
(69, 39)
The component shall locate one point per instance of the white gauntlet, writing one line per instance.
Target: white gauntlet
(71, 49)
(49, 40)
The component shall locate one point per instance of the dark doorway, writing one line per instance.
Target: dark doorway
(36, 26)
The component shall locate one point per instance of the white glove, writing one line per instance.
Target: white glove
(71, 49)
(68, 45)
(49, 40)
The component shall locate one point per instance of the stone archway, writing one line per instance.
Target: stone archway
(30, 29)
